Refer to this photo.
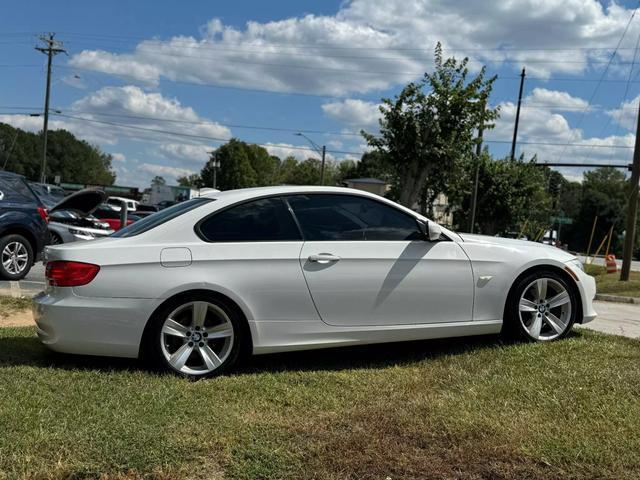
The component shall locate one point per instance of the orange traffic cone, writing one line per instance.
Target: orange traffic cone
(610, 262)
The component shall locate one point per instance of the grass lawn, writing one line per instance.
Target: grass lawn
(464, 408)
(610, 283)
(9, 305)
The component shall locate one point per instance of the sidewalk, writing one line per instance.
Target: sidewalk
(616, 318)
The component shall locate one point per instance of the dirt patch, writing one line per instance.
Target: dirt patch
(21, 318)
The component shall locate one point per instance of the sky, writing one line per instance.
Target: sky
(158, 84)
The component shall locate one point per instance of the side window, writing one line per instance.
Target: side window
(16, 190)
(347, 217)
(264, 220)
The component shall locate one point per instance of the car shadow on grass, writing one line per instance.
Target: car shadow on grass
(26, 350)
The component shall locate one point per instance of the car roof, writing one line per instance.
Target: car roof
(248, 193)
(10, 174)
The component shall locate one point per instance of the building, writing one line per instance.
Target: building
(371, 185)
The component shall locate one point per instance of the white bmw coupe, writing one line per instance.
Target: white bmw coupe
(194, 286)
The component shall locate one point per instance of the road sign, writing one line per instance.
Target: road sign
(562, 220)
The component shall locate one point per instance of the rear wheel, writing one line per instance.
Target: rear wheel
(16, 257)
(541, 307)
(196, 336)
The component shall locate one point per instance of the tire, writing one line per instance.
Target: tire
(176, 344)
(542, 306)
(16, 257)
(55, 239)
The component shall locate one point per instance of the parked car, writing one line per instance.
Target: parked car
(45, 189)
(145, 210)
(166, 204)
(70, 220)
(273, 269)
(23, 227)
(111, 215)
(116, 202)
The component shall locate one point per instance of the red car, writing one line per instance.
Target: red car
(110, 215)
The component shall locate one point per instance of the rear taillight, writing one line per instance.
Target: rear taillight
(44, 214)
(70, 274)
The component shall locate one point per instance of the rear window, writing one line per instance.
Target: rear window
(15, 189)
(163, 216)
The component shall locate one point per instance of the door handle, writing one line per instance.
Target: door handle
(323, 258)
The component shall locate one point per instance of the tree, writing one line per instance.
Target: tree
(158, 181)
(74, 160)
(431, 124)
(604, 194)
(192, 180)
(511, 194)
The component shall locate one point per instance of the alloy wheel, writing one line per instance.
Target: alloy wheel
(196, 338)
(545, 309)
(15, 258)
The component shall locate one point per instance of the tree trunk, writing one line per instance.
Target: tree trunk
(412, 181)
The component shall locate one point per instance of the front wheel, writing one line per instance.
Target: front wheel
(16, 257)
(198, 336)
(541, 307)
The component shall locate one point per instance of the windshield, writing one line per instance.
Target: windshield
(158, 218)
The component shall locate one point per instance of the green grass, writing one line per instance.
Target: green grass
(9, 305)
(609, 283)
(463, 408)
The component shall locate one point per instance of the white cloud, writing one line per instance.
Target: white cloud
(118, 157)
(625, 115)
(187, 153)
(555, 100)
(170, 173)
(353, 112)
(375, 44)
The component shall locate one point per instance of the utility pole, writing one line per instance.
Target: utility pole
(632, 209)
(515, 128)
(474, 199)
(51, 48)
(215, 164)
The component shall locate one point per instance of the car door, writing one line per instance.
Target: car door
(367, 263)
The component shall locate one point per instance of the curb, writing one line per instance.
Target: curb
(617, 299)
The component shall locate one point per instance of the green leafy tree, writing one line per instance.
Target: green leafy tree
(604, 194)
(76, 161)
(512, 196)
(158, 181)
(192, 180)
(431, 124)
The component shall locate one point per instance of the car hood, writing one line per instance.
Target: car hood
(83, 202)
(518, 244)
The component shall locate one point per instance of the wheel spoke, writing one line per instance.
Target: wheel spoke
(559, 299)
(199, 313)
(536, 326)
(527, 305)
(541, 288)
(210, 358)
(223, 330)
(555, 323)
(180, 356)
(171, 327)
(7, 263)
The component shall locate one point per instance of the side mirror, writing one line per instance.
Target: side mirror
(435, 231)
(430, 230)
(1, 195)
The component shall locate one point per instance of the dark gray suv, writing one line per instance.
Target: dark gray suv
(23, 227)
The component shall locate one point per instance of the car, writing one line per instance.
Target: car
(195, 286)
(166, 204)
(116, 202)
(55, 192)
(112, 216)
(23, 227)
(70, 220)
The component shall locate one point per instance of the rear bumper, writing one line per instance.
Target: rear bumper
(91, 326)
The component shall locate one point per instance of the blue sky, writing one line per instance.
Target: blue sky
(206, 70)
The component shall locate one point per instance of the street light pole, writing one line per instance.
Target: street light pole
(322, 151)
